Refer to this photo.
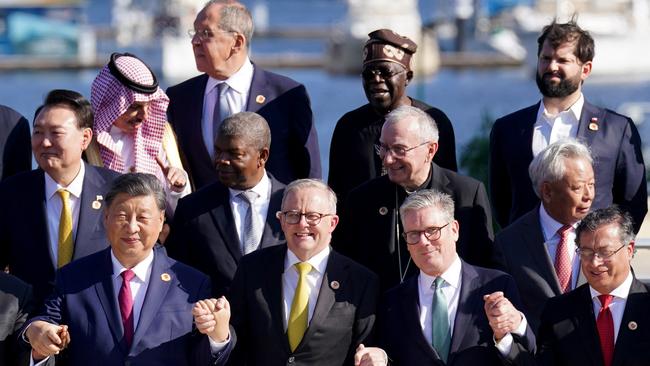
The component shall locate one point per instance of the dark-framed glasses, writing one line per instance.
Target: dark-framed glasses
(293, 217)
(587, 254)
(397, 151)
(431, 233)
(369, 74)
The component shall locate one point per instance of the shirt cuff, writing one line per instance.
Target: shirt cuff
(216, 347)
(504, 346)
(33, 363)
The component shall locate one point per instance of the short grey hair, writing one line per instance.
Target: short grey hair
(426, 198)
(606, 216)
(311, 183)
(427, 127)
(549, 164)
(137, 184)
(234, 17)
(249, 126)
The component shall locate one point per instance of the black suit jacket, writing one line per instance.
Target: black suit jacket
(568, 333)
(203, 233)
(284, 104)
(24, 238)
(368, 232)
(400, 333)
(15, 307)
(615, 147)
(15, 145)
(343, 317)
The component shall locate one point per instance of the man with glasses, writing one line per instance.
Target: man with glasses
(372, 233)
(451, 313)
(303, 303)
(386, 74)
(538, 249)
(231, 83)
(606, 321)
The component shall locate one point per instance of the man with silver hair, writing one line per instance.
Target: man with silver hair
(451, 311)
(407, 145)
(538, 249)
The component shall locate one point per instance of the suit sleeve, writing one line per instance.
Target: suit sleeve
(499, 260)
(483, 234)
(498, 181)
(17, 155)
(363, 331)
(446, 155)
(239, 317)
(523, 348)
(306, 152)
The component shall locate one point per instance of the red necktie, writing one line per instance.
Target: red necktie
(562, 262)
(126, 305)
(605, 325)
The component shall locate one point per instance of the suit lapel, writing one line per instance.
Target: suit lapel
(89, 217)
(225, 222)
(439, 181)
(635, 308)
(465, 312)
(585, 133)
(533, 238)
(585, 322)
(106, 294)
(36, 203)
(256, 93)
(273, 293)
(192, 125)
(272, 231)
(410, 310)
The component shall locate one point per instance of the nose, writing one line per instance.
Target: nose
(388, 157)
(143, 113)
(132, 225)
(196, 40)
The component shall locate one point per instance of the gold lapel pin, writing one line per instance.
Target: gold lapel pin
(260, 99)
(632, 325)
(335, 285)
(96, 205)
(383, 210)
(593, 125)
(165, 277)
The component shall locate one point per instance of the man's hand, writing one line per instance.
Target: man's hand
(47, 339)
(212, 317)
(371, 356)
(501, 314)
(176, 177)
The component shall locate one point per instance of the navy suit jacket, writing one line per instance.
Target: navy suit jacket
(24, 238)
(204, 236)
(15, 307)
(15, 145)
(615, 146)
(284, 104)
(400, 333)
(85, 300)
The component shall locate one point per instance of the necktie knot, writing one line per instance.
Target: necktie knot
(249, 196)
(63, 193)
(221, 88)
(303, 268)
(563, 232)
(437, 283)
(605, 300)
(127, 275)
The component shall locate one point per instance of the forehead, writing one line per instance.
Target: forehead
(124, 201)
(374, 65)
(603, 236)
(422, 218)
(209, 15)
(308, 198)
(577, 168)
(56, 115)
(565, 49)
(232, 142)
(404, 131)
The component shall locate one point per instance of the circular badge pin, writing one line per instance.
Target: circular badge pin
(335, 285)
(593, 126)
(165, 277)
(96, 205)
(632, 325)
(260, 99)
(383, 211)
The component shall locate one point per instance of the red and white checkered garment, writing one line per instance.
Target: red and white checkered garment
(110, 99)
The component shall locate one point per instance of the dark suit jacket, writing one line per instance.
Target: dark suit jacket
(15, 145)
(520, 251)
(203, 234)
(369, 223)
(568, 333)
(615, 146)
(400, 333)
(24, 238)
(285, 106)
(343, 317)
(15, 306)
(85, 300)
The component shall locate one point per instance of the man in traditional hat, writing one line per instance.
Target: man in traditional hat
(131, 132)
(386, 73)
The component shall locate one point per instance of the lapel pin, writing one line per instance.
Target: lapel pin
(383, 210)
(96, 205)
(335, 285)
(632, 325)
(260, 99)
(165, 277)
(593, 125)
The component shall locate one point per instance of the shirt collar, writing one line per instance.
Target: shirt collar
(549, 225)
(141, 270)
(239, 81)
(318, 262)
(575, 110)
(75, 187)
(622, 291)
(262, 188)
(451, 276)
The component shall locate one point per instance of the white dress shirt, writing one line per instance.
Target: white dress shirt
(617, 306)
(239, 206)
(552, 239)
(236, 95)
(53, 206)
(550, 128)
(314, 281)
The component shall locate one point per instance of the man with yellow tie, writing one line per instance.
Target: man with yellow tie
(301, 304)
(52, 215)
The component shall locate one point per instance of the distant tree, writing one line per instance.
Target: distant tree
(474, 157)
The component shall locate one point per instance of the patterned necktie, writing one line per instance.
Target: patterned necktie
(65, 246)
(440, 336)
(562, 261)
(605, 325)
(252, 227)
(125, 301)
(297, 324)
(221, 108)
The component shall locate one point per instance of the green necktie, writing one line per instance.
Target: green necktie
(440, 337)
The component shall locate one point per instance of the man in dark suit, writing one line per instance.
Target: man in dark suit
(565, 61)
(451, 313)
(51, 215)
(303, 303)
(15, 154)
(130, 303)
(15, 307)
(538, 249)
(606, 321)
(230, 84)
(209, 229)
(408, 143)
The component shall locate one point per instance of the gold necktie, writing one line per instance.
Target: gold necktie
(64, 255)
(299, 307)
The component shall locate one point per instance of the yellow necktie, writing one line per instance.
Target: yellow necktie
(64, 255)
(299, 307)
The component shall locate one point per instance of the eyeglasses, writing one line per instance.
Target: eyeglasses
(293, 217)
(587, 254)
(431, 233)
(398, 151)
(382, 73)
(205, 34)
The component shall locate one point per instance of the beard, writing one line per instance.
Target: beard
(564, 88)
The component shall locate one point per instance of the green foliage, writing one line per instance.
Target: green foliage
(474, 157)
